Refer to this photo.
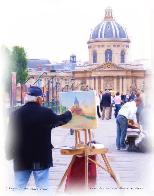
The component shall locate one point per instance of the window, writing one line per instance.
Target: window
(122, 56)
(108, 55)
(94, 56)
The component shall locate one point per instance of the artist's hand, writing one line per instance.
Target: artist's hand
(72, 109)
(78, 111)
(75, 110)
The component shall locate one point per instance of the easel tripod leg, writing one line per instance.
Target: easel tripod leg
(110, 171)
(86, 171)
(89, 133)
(65, 174)
(96, 163)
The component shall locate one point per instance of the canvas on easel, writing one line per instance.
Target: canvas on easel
(84, 121)
(84, 100)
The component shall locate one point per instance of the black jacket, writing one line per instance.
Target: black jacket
(30, 145)
(106, 100)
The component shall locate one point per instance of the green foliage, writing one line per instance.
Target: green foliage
(63, 109)
(6, 54)
(15, 61)
(19, 63)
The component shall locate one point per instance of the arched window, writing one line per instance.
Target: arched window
(94, 56)
(122, 56)
(108, 55)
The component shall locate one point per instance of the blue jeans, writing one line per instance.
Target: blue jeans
(117, 108)
(122, 124)
(41, 178)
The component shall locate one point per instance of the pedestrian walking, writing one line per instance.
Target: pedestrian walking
(123, 98)
(127, 98)
(105, 105)
(132, 96)
(117, 101)
(111, 106)
(139, 114)
(98, 105)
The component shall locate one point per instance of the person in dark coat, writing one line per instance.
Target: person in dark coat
(29, 139)
(132, 96)
(123, 99)
(105, 105)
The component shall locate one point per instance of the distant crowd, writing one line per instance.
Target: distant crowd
(106, 101)
(129, 110)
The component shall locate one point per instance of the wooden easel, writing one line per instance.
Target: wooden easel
(82, 148)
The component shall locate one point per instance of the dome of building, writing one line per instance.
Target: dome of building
(109, 29)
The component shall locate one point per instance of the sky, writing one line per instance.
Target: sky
(54, 29)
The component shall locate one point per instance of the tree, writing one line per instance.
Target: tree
(15, 61)
(6, 55)
(19, 63)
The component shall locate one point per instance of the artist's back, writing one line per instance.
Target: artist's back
(31, 130)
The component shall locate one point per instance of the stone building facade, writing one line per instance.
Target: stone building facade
(109, 66)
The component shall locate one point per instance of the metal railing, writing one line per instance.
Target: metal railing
(54, 105)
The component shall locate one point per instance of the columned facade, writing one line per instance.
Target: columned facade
(112, 77)
(108, 68)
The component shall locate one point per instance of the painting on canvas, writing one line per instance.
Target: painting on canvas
(84, 100)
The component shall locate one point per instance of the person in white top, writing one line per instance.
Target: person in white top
(127, 111)
(117, 101)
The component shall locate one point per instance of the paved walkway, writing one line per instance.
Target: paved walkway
(131, 168)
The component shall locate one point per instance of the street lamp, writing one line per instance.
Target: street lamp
(40, 77)
(50, 80)
(72, 83)
(52, 87)
(57, 84)
(48, 91)
(52, 71)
